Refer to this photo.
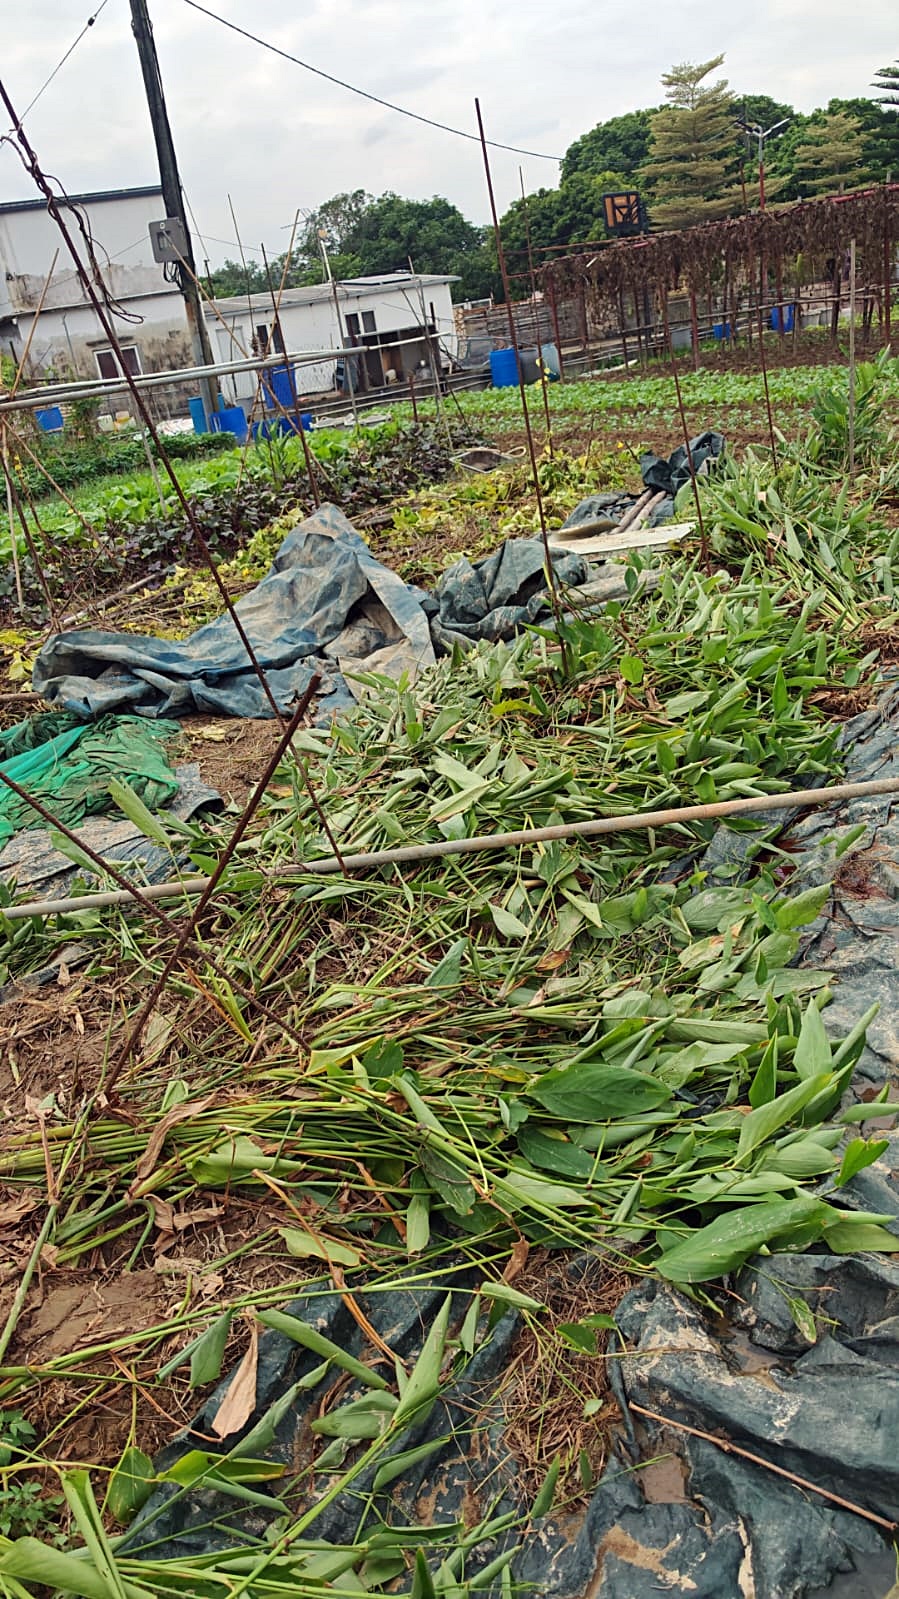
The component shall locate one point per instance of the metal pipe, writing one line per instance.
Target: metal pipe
(88, 389)
(798, 799)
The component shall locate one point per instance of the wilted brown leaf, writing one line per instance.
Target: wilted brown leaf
(239, 1402)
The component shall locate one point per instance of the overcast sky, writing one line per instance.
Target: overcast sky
(277, 138)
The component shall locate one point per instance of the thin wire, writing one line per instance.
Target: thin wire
(59, 66)
(539, 155)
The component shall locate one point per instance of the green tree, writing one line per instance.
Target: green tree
(334, 223)
(886, 79)
(620, 145)
(692, 157)
(233, 278)
(432, 233)
(571, 214)
(830, 155)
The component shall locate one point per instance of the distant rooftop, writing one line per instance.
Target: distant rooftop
(97, 198)
(349, 288)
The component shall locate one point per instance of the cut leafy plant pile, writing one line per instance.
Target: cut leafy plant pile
(601, 1046)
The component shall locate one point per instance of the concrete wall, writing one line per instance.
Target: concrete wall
(68, 331)
(311, 325)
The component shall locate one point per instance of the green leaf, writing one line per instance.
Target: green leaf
(631, 668)
(556, 1155)
(849, 1238)
(543, 1502)
(859, 1153)
(304, 1246)
(871, 1111)
(763, 1088)
(395, 1465)
(366, 1417)
(76, 1485)
(510, 1296)
(468, 1332)
(759, 1125)
(424, 1379)
(801, 908)
(448, 1179)
(39, 1563)
(507, 924)
(813, 1053)
(137, 813)
(730, 1239)
(318, 1344)
(130, 1485)
(448, 971)
(418, 1222)
(590, 1091)
(207, 1353)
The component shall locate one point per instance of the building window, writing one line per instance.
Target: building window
(352, 325)
(108, 362)
(368, 321)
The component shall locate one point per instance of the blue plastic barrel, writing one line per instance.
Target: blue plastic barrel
(232, 419)
(503, 369)
(50, 421)
(198, 414)
(721, 330)
(787, 311)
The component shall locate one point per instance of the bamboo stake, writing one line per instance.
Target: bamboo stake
(797, 799)
(852, 360)
(13, 535)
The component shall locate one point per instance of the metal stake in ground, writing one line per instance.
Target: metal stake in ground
(513, 340)
(190, 926)
(851, 418)
(762, 362)
(663, 295)
(543, 383)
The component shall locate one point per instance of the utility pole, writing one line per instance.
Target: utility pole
(173, 198)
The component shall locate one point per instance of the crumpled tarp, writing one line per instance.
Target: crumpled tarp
(70, 771)
(326, 606)
(326, 602)
(669, 477)
(495, 597)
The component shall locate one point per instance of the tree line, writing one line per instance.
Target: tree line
(692, 159)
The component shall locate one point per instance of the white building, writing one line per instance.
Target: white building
(392, 320)
(68, 337)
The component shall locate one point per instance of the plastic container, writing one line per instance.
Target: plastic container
(549, 355)
(530, 365)
(503, 369)
(232, 419)
(198, 414)
(785, 311)
(51, 420)
(280, 388)
(721, 330)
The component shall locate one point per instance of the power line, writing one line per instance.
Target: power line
(60, 64)
(539, 155)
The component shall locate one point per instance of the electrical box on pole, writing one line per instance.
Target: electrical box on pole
(172, 233)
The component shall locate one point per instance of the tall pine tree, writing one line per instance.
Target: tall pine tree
(830, 156)
(692, 158)
(886, 79)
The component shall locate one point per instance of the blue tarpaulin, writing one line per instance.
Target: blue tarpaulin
(326, 606)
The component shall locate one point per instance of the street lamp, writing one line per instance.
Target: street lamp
(762, 134)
